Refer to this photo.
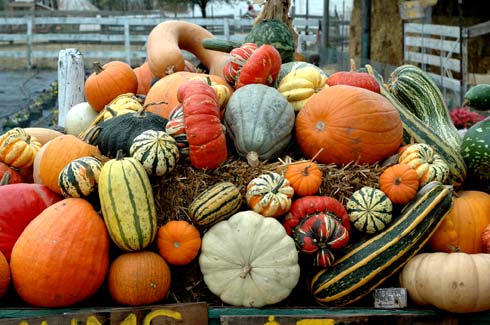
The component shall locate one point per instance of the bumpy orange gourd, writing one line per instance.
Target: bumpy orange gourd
(305, 177)
(178, 242)
(55, 155)
(463, 226)
(349, 124)
(62, 256)
(139, 278)
(399, 182)
(4, 275)
(107, 82)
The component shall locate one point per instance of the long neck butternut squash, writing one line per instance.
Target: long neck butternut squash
(167, 40)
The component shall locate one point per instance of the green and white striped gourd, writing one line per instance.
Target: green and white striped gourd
(416, 130)
(127, 203)
(369, 209)
(79, 177)
(216, 203)
(156, 151)
(420, 94)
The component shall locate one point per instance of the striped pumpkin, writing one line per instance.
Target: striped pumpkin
(18, 148)
(79, 177)
(426, 162)
(269, 194)
(176, 128)
(216, 203)
(127, 203)
(156, 151)
(369, 209)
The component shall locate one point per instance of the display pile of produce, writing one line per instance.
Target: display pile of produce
(263, 181)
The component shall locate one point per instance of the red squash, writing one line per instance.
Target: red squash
(21, 203)
(9, 175)
(354, 78)
(205, 133)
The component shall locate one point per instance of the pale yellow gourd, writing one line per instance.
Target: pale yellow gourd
(454, 282)
(249, 260)
(299, 85)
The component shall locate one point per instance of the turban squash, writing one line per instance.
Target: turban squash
(348, 123)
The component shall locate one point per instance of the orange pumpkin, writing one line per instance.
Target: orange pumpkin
(55, 155)
(62, 256)
(349, 124)
(18, 149)
(4, 275)
(145, 78)
(9, 175)
(305, 177)
(178, 242)
(462, 228)
(399, 182)
(165, 90)
(139, 278)
(108, 81)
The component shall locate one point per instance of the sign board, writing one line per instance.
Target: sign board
(414, 9)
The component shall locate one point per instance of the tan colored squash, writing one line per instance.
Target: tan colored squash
(167, 40)
(43, 135)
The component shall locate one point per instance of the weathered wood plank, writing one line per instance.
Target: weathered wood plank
(435, 60)
(430, 29)
(433, 44)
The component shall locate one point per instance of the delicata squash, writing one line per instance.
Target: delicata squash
(167, 40)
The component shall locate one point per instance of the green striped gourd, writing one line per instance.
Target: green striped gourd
(79, 177)
(364, 265)
(156, 150)
(216, 203)
(420, 94)
(369, 209)
(127, 203)
(415, 129)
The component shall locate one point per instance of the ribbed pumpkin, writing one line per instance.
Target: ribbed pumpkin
(269, 194)
(55, 155)
(156, 151)
(176, 129)
(462, 228)
(215, 203)
(369, 209)
(260, 122)
(62, 256)
(139, 278)
(349, 124)
(178, 242)
(305, 177)
(18, 148)
(399, 182)
(108, 81)
(426, 162)
(21, 203)
(79, 177)
(4, 275)
(127, 203)
(165, 90)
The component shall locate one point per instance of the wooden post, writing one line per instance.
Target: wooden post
(127, 43)
(29, 42)
(71, 79)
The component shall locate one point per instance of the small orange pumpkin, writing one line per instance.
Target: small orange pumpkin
(399, 182)
(461, 229)
(108, 81)
(139, 278)
(305, 177)
(4, 275)
(178, 242)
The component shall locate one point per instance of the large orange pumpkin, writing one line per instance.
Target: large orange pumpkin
(62, 256)
(139, 278)
(463, 226)
(348, 123)
(165, 90)
(55, 155)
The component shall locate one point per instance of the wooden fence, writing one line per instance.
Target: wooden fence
(442, 51)
(23, 37)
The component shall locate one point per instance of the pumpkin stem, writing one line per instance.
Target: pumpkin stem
(253, 159)
(353, 66)
(5, 178)
(98, 67)
(245, 271)
(143, 108)
(120, 154)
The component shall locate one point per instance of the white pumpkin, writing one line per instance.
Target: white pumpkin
(79, 117)
(249, 260)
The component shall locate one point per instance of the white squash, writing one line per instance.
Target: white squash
(249, 260)
(79, 118)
